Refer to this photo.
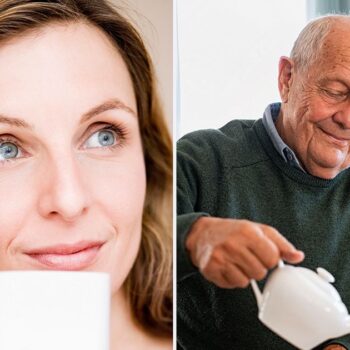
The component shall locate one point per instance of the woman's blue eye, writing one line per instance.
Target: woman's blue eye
(8, 150)
(102, 138)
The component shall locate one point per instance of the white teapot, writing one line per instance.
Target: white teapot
(302, 306)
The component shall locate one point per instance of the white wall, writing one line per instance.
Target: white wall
(228, 57)
(154, 19)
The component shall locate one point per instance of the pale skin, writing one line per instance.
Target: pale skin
(71, 159)
(315, 122)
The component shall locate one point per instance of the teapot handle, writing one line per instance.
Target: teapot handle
(256, 289)
(257, 292)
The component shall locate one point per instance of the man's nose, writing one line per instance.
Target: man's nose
(342, 117)
(63, 194)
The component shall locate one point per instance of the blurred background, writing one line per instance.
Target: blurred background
(228, 53)
(154, 20)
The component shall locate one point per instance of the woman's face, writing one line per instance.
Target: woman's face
(72, 173)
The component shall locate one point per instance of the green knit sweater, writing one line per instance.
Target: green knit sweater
(235, 172)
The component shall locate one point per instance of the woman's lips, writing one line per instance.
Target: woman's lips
(67, 257)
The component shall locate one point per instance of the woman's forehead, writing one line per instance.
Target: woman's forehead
(62, 69)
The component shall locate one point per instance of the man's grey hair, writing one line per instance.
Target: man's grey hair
(308, 46)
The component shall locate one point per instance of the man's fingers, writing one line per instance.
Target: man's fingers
(234, 277)
(248, 263)
(226, 276)
(265, 250)
(286, 249)
(231, 270)
(231, 252)
(293, 257)
(281, 242)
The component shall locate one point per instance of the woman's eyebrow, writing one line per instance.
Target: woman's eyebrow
(106, 106)
(14, 122)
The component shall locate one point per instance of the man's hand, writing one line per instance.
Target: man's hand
(231, 252)
(334, 347)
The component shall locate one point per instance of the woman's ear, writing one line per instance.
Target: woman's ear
(285, 70)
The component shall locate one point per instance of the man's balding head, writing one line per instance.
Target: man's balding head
(309, 47)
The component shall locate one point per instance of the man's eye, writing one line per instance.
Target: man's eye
(8, 150)
(337, 94)
(101, 138)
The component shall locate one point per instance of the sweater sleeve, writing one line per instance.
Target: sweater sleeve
(343, 341)
(187, 185)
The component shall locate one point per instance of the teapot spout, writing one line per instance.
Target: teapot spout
(257, 293)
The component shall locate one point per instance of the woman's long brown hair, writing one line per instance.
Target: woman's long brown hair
(149, 284)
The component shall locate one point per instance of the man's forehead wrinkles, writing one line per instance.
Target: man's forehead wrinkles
(333, 58)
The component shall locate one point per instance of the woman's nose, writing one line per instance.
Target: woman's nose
(63, 194)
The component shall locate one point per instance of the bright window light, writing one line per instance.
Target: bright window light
(228, 57)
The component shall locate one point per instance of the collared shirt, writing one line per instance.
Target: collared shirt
(269, 119)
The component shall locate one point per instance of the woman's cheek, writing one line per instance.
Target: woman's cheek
(119, 186)
(16, 206)
(119, 192)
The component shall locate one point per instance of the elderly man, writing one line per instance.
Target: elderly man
(252, 191)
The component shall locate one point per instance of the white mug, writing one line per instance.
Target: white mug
(54, 310)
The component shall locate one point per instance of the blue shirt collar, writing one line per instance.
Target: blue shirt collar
(269, 119)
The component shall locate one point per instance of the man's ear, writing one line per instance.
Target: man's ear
(285, 70)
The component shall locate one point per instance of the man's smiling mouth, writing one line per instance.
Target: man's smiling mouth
(336, 139)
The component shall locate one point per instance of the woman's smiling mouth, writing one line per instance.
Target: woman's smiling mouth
(66, 257)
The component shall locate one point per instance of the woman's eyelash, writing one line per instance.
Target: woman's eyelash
(8, 139)
(120, 131)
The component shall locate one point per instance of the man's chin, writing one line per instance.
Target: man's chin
(326, 171)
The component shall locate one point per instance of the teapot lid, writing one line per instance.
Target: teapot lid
(322, 279)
